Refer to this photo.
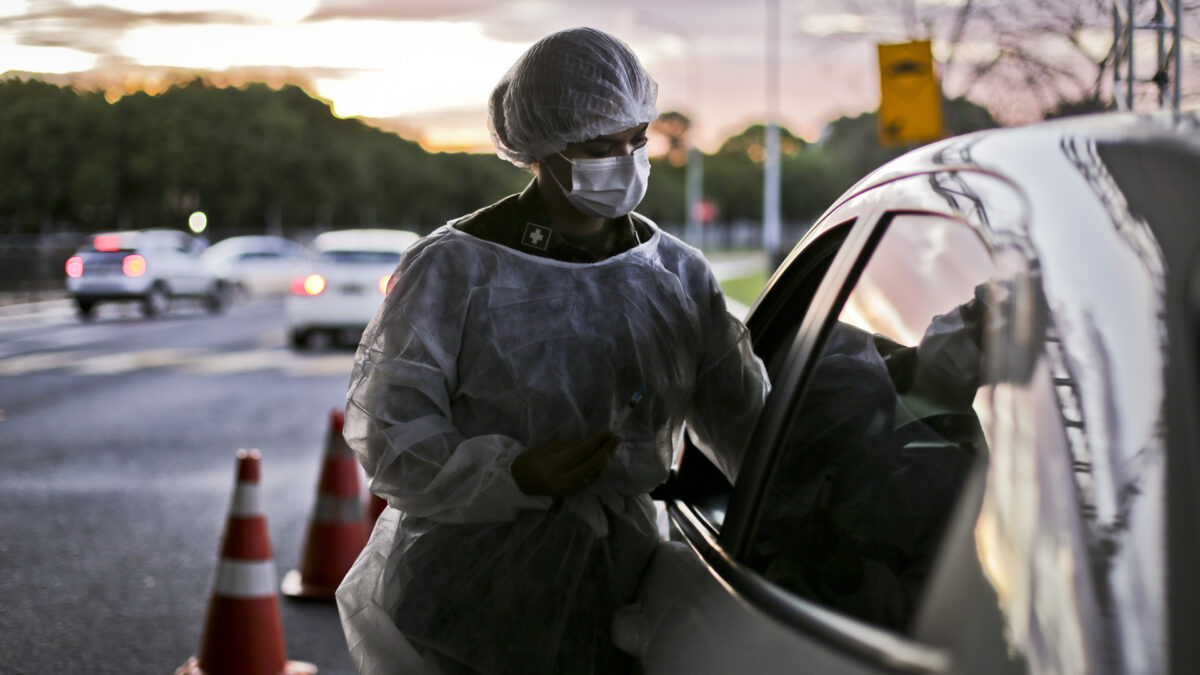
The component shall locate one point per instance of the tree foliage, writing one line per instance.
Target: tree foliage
(253, 158)
(855, 142)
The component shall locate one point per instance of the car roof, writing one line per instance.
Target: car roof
(993, 150)
(365, 240)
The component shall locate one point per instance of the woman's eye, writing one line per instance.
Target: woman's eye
(640, 141)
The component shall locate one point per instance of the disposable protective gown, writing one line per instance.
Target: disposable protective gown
(481, 351)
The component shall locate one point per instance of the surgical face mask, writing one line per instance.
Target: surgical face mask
(608, 187)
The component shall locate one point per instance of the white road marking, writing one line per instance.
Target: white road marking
(110, 364)
(188, 361)
(236, 362)
(331, 364)
(32, 363)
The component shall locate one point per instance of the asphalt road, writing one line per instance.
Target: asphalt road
(117, 445)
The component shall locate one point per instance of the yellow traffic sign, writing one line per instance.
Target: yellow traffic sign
(910, 102)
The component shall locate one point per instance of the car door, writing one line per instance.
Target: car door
(840, 548)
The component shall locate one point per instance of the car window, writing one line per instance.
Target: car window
(773, 326)
(260, 255)
(880, 440)
(360, 257)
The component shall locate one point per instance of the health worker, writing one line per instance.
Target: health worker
(522, 387)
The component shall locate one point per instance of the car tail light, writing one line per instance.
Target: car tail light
(133, 265)
(312, 284)
(106, 242)
(385, 283)
(74, 267)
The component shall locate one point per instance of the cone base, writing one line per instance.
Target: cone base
(294, 586)
(192, 667)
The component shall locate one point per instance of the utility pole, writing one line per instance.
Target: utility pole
(771, 179)
(1168, 30)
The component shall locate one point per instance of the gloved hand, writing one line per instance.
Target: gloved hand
(563, 468)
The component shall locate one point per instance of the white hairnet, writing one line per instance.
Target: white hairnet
(570, 86)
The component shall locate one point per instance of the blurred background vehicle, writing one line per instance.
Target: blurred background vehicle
(151, 267)
(979, 453)
(254, 265)
(341, 283)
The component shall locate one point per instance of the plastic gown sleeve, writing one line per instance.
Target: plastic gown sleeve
(398, 412)
(731, 389)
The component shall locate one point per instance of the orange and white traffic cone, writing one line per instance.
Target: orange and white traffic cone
(243, 634)
(337, 531)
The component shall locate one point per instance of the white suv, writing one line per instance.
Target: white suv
(148, 266)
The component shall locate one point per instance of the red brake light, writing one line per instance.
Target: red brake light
(106, 242)
(312, 284)
(385, 283)
(133, 265)
(74, 267)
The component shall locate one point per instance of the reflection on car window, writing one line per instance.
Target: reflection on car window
(883, 435)
(360, 257)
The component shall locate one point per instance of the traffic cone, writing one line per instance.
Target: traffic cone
(375, 506)
(337, 531)
(243, 634)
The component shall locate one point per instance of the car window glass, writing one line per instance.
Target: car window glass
(260, 255)
(360, 257)
(881, 438)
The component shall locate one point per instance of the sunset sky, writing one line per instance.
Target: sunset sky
(426, 67)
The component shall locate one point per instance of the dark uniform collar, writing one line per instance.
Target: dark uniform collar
(519, 221)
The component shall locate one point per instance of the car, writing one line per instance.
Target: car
(341, 283)
(254, 265)
(979, 454)
(151, 267)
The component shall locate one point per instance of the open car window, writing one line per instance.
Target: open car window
(878, 444)
(774, 325)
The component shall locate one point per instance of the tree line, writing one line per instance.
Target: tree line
(257, 159)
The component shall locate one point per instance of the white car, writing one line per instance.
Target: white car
(151, 267)
(342, 283)
(255, 265)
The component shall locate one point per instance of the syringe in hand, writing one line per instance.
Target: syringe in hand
(633, 401)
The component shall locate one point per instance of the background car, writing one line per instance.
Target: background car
(979, 453)
(151, 267)
(254, 265)
(341, 284)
